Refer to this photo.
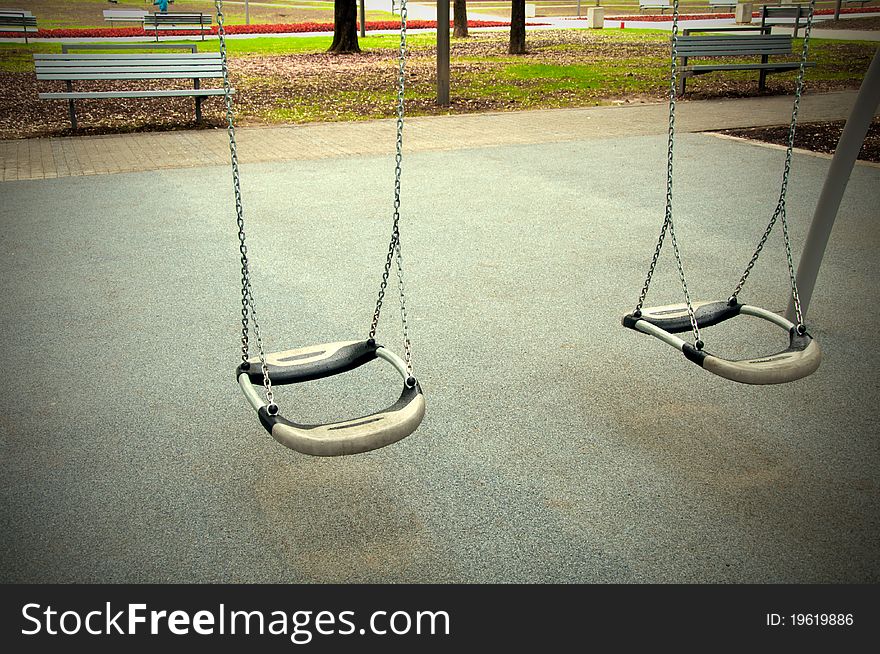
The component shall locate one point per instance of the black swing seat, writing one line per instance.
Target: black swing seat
(354, 436)
(801, 358)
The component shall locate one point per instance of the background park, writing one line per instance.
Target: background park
(292, 80)
(556, 445)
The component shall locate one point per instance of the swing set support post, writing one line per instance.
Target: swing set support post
(854, 132)
(443, 53)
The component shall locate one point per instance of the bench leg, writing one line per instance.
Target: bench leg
(198, 98)
(70, 106)
(682, 77)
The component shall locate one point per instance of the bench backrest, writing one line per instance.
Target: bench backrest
(654, 3)
(733, 45)
(128, 66)
(722, 3)
(797, 11)
(17, 20)
(177, 21)
(69, 47)
(722, 29)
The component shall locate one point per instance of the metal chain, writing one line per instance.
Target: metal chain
(668, 224)
(394, 253)
(779, 213)
(248, 309)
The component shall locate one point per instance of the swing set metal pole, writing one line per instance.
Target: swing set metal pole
(854, 132)
(443, 53)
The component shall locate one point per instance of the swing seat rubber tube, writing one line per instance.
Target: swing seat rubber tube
(353, 436)
(801, 358)
(310, 363)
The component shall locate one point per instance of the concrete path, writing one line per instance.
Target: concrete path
(558, 446)
(61, 157)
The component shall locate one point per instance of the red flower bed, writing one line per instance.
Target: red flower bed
(756, 14)
(281, 28)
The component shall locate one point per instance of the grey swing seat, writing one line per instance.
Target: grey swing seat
(801, 358)
(354, 436)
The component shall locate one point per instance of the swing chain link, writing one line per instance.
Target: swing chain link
(394, 252)
(779, 213)
(248, 309)
(668, 224)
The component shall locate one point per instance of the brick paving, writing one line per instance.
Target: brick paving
(119, 153)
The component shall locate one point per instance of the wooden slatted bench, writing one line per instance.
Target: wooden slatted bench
(149, 66)
(736, 45)
(176, 22)
(114, 16)
(722, 4)
(18, 20)
(662, 5)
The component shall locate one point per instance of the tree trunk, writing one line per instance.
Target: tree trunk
(460, 21)
(518, 27)
(345, 37)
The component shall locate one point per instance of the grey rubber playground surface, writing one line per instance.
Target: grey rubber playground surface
(557, 447)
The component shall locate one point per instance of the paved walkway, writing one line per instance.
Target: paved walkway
(71, 156)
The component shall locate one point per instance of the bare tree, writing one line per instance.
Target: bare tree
(517, 27)
(460, 21)
(345, 37)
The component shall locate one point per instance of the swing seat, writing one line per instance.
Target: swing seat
(801, 358)
(353, 436)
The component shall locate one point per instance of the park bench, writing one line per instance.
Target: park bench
(148, 66)
(114, 16)
(861, 3)
(722, 4)
(736, 45)
(662, 5)
(781, 15)
(177, 22)
(18, 20)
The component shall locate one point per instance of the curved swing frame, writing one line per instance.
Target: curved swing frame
(352, 436)
(803, 355)
(801, 358)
